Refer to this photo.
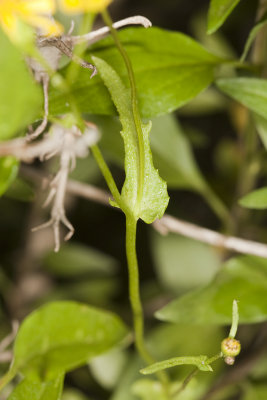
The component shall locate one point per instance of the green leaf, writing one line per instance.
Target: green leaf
(73, 394)
(20, 190)
(107, 369)
(20, 96)
(139, 168)
(8, 172)
(253, 34)
(164, 341)
(75, 259)
(61, 336)
(199, 362)
(148, 389)
(251, 92)
(257, 391)
(256, 199)
(36, 390)
(173, 155)
(261, 126)
(170, 69)
(243, 278)
(219, 10)
(182, 263)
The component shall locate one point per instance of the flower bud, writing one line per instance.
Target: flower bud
(230, 347)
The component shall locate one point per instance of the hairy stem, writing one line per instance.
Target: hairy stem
(134, 292)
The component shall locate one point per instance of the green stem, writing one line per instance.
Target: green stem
(194, 372)
(6, 379)
(134, 292)
(218, 207)
(109, 179)
(135, 110)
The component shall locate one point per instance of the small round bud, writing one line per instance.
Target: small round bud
(229, 360)
(230, 347)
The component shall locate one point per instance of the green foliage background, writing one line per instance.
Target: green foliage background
(206, 110)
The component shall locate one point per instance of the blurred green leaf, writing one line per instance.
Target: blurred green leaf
(8, 172)
(95, 291)
(61, 336)
(34, 390)
(261, 126)
(76, 259)
(170, 69)
(208, 102)
(108, 367)
(183, 263)
(139, 168)
(73, 394)
(147, 389)
(251, 92)
(256, 392)
(242, 278)
(219, 10)
(256, 199)
(252, 35)
(173, 155)
(20, 190)
(20, 96)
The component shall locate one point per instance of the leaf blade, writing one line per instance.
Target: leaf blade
(154, 199)
(251, 92)
(170, 69)
(36, 390)
(63, 335)
(255, 200)
(219, 10)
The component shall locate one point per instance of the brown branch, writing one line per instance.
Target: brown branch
(167, 223)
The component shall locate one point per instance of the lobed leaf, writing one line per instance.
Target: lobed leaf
(219, 10)
(154, 198)
(170, 69)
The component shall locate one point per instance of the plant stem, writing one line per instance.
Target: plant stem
(219, 208)
(5, 379)
(135, 110)
(134, 293)
(109, 179)
(194, 372)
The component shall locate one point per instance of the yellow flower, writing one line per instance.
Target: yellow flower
(80, 6)
(36, 13)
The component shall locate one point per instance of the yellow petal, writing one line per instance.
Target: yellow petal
(8, 23)
(80, 6)
(47, 26)
(39, 6)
